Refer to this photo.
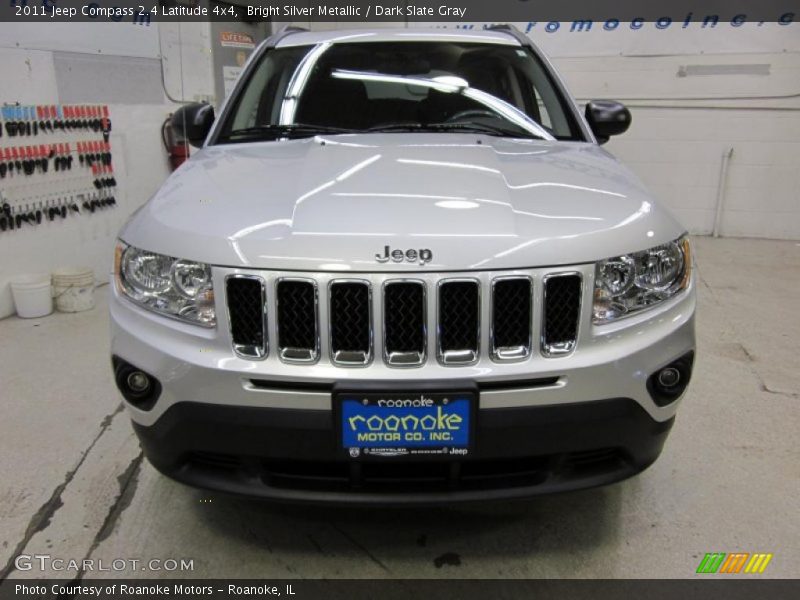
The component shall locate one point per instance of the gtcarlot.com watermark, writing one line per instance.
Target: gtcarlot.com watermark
(46, 562)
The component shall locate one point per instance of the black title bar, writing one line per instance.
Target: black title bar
(144, 12)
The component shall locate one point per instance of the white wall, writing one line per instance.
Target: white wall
(676, 145)
(52, 64)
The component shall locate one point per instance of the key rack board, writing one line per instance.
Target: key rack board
(55, 163)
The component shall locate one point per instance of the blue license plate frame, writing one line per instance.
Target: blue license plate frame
(419, 425)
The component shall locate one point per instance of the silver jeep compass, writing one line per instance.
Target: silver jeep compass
(402, 269)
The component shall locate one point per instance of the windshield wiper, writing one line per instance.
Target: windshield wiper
(274, 131)
(465, 127)
(485, 128)
(388, 127)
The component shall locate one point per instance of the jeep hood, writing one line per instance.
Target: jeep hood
(332, 203)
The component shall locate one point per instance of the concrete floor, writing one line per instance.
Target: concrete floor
(73, 483)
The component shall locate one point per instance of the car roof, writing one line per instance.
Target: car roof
(417, 34)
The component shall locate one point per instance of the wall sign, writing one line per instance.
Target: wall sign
(233, 39)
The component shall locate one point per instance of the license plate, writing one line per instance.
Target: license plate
(425, 424)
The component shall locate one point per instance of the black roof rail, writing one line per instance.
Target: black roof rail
(292, 29)
(284, 31)
(512, 31)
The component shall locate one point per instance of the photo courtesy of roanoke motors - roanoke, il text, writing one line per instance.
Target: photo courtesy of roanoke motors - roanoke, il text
(188, 590)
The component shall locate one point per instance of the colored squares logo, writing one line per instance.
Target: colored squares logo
(734, 563)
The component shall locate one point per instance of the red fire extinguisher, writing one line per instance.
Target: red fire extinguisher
(176, 146)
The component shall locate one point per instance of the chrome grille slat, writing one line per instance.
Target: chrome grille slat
(404, 323)
(560, 318)
(296, 306)
(248, 323)
(350, 321)
(458, 321)
(512, 310)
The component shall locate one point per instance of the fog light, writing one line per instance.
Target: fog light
(141, 389)
(669, 382)
(669, 377)
(138, 382)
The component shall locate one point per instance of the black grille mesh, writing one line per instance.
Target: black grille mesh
(404, 316)
(562, 309)
(458, 315)
(350, 317)
(511, 313)
(245, 306)
(297, 319)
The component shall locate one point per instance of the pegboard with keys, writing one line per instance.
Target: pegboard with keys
(55, 163)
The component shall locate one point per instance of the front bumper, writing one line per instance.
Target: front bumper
(289, 455)
(266, 429)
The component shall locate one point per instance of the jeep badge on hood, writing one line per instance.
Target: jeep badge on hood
(423, 255)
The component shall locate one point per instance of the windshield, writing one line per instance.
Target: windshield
(456, 87)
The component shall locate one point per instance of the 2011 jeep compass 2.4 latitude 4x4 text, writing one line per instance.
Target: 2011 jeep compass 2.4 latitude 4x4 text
(402, 269)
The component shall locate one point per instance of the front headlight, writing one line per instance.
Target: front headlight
(627, 284)
(174, 287)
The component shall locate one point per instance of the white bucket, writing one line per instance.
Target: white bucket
(73, 289)
(32, 295)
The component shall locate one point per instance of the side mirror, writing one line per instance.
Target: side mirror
(607, 118)
(193, 122)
